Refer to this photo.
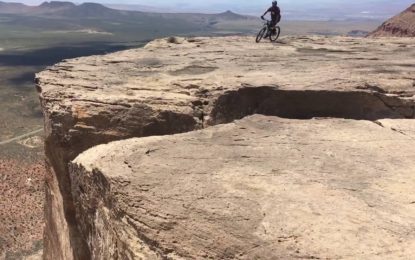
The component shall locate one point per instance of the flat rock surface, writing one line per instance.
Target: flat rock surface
(186, 77)
(175, 72)
(259, 188)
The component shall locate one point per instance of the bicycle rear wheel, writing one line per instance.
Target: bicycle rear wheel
(274, 35)
(260, 34)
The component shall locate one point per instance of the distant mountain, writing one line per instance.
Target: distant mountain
(56, 5)
(89, 10)
(141, 8)
(62, 9)
(229, 15)
(93, 17)
(292, 10)
(401, 25)
(13, 8)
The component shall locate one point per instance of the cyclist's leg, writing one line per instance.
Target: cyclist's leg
(267, 34)
(273, 25)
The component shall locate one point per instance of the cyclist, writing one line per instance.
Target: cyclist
(275, 14)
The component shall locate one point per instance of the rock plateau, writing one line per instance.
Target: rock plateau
(219, 148)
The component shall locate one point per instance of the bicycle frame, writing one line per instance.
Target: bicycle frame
(267, 23)
(268, 31)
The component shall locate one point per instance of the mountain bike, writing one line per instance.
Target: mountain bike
(268, 31)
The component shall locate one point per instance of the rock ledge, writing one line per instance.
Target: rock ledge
(168, 88)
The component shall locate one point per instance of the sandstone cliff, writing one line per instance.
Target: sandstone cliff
(260, 188)
(401, 25)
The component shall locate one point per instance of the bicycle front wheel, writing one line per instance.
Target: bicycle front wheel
(260, 35)
(274, 35)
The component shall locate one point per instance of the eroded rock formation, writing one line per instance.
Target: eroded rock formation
(142, 197)
(401, 25)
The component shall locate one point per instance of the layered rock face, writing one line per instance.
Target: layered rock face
(263, 187)
(401, 25)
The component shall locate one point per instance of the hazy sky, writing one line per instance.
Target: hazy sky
(236, 2)
(328, 8)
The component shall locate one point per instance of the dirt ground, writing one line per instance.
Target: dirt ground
(21, 207)
(22, 168)
(22, 174)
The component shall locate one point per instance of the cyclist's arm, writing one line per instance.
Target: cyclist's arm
(267, 11)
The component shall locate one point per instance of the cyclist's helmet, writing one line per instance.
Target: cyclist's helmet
(274, 3)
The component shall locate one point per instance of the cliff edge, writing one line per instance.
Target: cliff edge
(301, 149)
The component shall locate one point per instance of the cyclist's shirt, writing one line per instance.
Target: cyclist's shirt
(275, 13)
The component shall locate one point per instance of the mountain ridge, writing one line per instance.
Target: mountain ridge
(65, 8)
(67, 16)
(401, 25)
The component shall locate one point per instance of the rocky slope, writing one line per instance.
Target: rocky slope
(114, 201)
(402, 25)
